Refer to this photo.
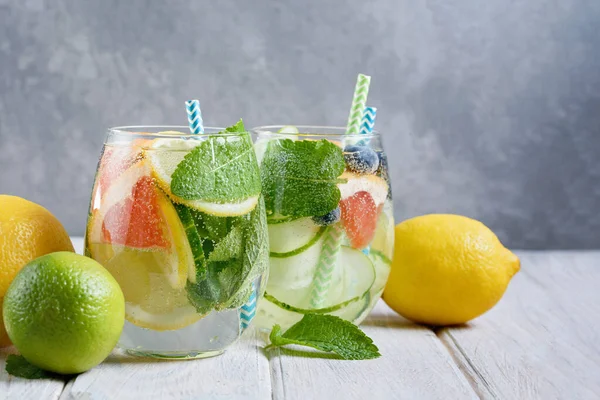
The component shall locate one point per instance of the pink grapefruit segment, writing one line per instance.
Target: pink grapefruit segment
(136, 221)
(359, 217)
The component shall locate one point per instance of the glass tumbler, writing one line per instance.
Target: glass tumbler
(330, 221)
(179, 221)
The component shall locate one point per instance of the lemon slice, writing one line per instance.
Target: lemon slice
(165, 154)
(374, 185)
(177, 319)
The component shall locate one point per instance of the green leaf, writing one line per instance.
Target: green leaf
(219, 170)
(18, 366)
(299, 178)
(231, 247)
(327, 333)
(238, 127)
(233, 264)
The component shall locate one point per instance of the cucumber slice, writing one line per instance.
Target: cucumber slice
(382, 268)
(279, 219)
(384, 235)
(198, 272)
(291, 238)
(295, 272)
(352, 279)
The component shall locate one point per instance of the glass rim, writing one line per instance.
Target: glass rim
(311, 130)
(176, 131)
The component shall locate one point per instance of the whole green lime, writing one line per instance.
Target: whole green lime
(64, 312)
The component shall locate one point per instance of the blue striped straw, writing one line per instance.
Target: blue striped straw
(194, 116)
(248, 310)
(368, 120)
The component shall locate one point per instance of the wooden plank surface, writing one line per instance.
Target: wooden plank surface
(241, 373)
(12, 388)
(414, 365)
(542, 341)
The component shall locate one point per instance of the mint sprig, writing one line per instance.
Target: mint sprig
(21, 368)
(299, 178)
(232, 263)
(221, 169)
(327, 333)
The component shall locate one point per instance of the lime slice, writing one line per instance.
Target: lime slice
(164, 155)
(291, 238)
(288, 129)
(221, 209)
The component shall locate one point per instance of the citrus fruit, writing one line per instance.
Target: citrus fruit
(64, 312)
(447, 269)
(137, 235)
(115, 160)
(362, 199)
(151, 301)
(136, 220)
(27, 231)
(359, 216)
(165, 155)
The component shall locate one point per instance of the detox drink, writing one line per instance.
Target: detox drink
(330, 222)
(179, 221)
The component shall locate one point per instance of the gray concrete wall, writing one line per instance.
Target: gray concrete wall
(489, 108)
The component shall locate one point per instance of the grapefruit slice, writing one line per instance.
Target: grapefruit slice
(135, 214)
(115, 160)
(359, 217)
(136, 221)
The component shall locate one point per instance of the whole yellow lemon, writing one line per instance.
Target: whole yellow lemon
(27, 231)
(447, 269)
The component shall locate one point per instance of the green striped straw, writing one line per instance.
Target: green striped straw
(332, 240)
(359, 103)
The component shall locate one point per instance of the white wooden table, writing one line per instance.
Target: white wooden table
(542, 341)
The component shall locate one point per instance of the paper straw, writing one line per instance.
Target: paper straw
(332, 240)
(368, 120)
(248, 310)
(194, 116)
(327, 261)
(359, 102)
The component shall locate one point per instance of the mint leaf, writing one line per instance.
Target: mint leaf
(212, 227)
(219, 170)
(327, 333)
(230, 247)
(18, 366)
(299, 178)
(238, 127)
